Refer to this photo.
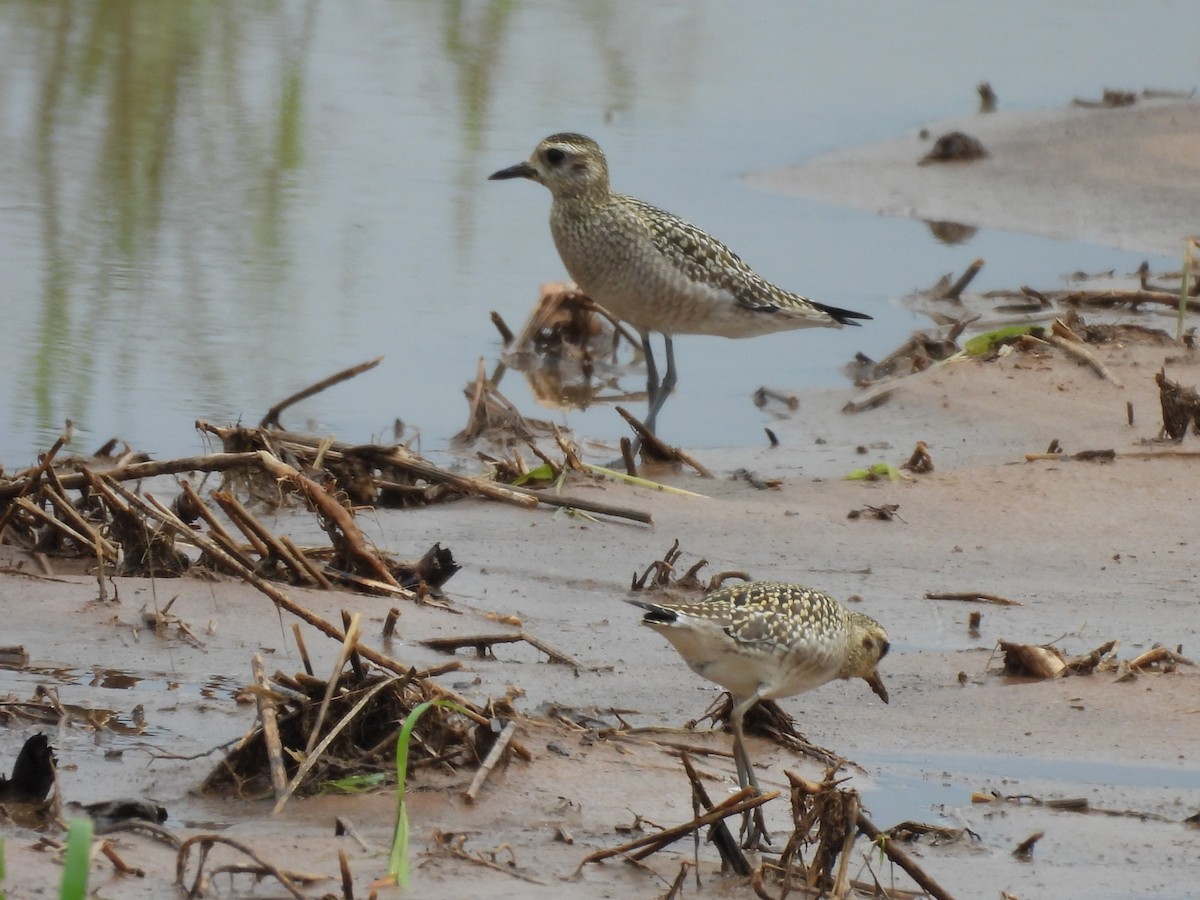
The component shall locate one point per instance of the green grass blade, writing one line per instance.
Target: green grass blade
(398, 861)
(79, 858)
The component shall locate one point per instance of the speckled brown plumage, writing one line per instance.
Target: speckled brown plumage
(764, 640)
(652, 269)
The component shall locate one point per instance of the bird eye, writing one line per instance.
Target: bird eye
(554, 156)
(868, 643)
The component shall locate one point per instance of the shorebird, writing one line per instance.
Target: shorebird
(764, 640)
(651, 269)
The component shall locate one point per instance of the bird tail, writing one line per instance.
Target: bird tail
(841, 316)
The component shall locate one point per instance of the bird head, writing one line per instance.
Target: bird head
(570, 165)
(869, 644)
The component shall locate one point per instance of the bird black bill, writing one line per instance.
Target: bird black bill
(520, 170)
(876, 682)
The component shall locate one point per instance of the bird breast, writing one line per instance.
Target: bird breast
(745, 667)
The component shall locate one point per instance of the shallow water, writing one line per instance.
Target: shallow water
(205, 207)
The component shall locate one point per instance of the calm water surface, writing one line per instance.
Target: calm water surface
(206, 206)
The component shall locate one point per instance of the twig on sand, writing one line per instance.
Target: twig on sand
(971, 597)
(744, 800)
(494, 755)
(482, 642)
(730, 850)
(1067, 341)
(205, 843)
(900, 858)
(655, 448)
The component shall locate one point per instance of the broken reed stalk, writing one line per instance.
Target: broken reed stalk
(968, 275)
(30, 481)
(1072, 346)
(216, 530)
(900, 858)
(881, 840)
(743, 801)
(971, 597)
(407, 461)
(214, 462)
(1184, 291)
(353, 631)
(264, 698)
(205, 843)
(336, 518)
(727, 846)
(494, 756)
(271, 419)
(314, 754)
(1157, 655)
(160, 512)
(483, 641)
(655, 448)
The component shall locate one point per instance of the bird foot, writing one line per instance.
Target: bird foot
(754, 834)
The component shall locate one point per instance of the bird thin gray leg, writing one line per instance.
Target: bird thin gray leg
(754, 827)
(652, 381)
(661, 390)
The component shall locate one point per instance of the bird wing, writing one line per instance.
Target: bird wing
(703, 258)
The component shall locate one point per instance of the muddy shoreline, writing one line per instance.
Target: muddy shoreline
(1091, 550)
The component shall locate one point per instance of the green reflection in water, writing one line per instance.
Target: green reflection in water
(148, 130)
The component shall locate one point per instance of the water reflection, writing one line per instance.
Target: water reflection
(148, 137)
(952, 232)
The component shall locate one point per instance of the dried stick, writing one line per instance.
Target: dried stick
(68, 511)
(30, 481)
(215, 528)
(971, 597)
(881, 840)
(900, 858)
(159, 511)
(481, 641)
(270, 726)
(214, 462)
(1109, 297)
(1158, 655)
(964, 279)
(1082, 353)
(730, 850)
(272, 416)
(260, 539)
(403, 459)
(314, 754)
(86, 541)
(743, 801)
(594, 506)
(353, 630)
(336, 516)
(1081, 456)
(311, 571)
(658, 448)
(206, 842)
(122, 867)
(489, 762)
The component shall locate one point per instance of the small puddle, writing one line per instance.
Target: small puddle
(911, 787)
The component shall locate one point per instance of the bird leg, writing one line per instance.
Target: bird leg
(652, 382)
(754, 832)
(658, 391)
